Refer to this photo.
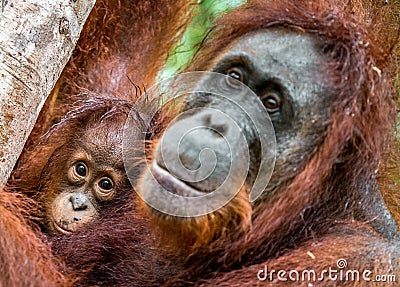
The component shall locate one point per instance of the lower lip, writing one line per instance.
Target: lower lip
(176, 186)
(60, 229)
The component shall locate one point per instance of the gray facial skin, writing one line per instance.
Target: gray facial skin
(286, 71)
(289, 65)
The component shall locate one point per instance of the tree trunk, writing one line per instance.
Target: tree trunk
(37, 38)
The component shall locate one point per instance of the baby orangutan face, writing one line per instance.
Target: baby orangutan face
(91, 186)
(84, 177)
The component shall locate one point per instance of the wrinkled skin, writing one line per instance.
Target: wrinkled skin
(286, 72)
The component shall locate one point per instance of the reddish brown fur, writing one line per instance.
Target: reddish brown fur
(190, 234)
(349, 242)
(122, 41)
(24, 259)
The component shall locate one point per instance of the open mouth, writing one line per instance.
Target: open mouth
(173, 184)
(60, 229)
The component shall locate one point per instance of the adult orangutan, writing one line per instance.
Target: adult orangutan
(324, 71)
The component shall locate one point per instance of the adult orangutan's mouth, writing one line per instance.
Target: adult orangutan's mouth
(173, 184)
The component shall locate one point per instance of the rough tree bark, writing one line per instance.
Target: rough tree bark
(36, 40)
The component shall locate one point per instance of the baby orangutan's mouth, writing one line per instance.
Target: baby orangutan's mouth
(173, 184)
(58, 227)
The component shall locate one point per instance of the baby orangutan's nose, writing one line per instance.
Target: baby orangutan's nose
(79, 201)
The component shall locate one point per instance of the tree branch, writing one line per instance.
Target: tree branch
(37, 38)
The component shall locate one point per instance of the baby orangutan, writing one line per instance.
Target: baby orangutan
(76, 173)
